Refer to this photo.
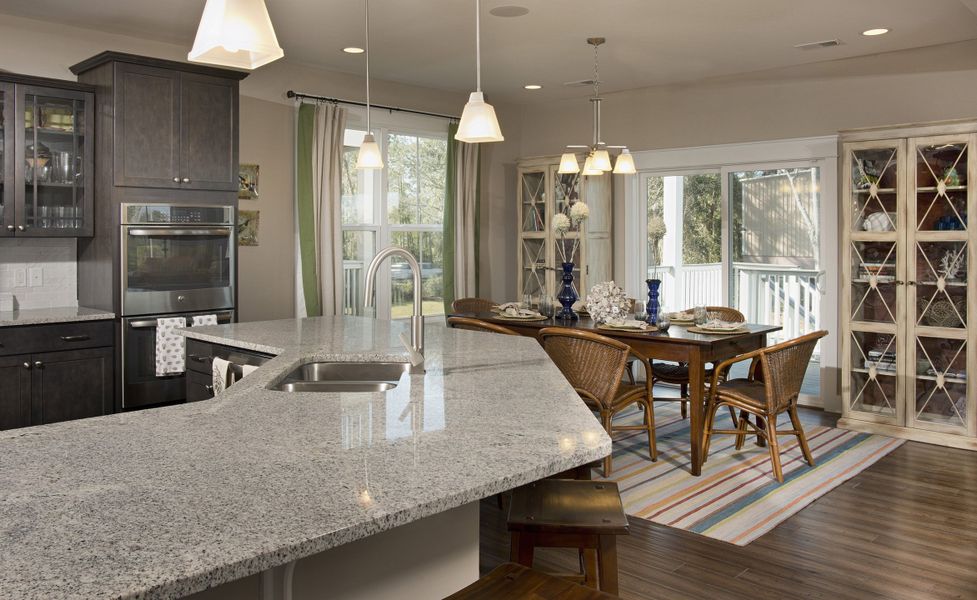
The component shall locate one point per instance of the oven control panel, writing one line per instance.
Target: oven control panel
(176, 214)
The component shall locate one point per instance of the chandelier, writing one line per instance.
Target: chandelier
(598, 158)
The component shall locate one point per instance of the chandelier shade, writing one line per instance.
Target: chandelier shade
(568, 164)
(624, 165)
(235, 33)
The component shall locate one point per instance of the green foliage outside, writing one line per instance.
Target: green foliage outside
(702, 220)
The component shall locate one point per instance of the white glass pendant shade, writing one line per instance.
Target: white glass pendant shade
(369, 156)
(568, 163)
(478, 122)
(602, 160)
(235, 33)
(625, 163)
(589, 168)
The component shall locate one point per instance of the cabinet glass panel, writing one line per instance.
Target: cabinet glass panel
(3, 156)
(54, 162)
(873, 282)
(566, 192)
(941, 382)
(941, 187)
(873, 373)
(534, 201)
(941, 284)
(874, 184)
(533, 266)
(568, 250)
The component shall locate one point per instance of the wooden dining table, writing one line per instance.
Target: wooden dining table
(677, 344)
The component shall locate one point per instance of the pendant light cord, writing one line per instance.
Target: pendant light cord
(478, 45)
(368, 130)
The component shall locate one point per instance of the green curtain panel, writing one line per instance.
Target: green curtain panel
(305, 209)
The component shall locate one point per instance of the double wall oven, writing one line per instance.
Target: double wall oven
(177, 261)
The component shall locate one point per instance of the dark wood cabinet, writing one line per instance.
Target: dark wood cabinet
(147, 127)
(209, 121)
(47, 150)
(62, 372)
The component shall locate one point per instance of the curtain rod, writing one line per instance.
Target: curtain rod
(300, 96)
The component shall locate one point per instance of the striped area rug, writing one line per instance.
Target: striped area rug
(736, 499)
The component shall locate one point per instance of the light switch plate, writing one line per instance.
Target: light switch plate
(20, 277)
(36, 277)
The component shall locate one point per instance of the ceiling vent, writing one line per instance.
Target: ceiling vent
(816, 45)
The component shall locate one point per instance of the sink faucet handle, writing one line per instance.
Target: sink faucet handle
(416, 358)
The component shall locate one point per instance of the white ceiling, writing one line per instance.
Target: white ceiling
(649, 42)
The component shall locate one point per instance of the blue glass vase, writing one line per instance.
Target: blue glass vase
(567, 295)
(653, 306)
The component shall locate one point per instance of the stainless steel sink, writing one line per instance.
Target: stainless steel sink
(344, 377)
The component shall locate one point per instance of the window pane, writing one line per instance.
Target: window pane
(359, 248)
(415, 179)
(357, 185)
(426, 247)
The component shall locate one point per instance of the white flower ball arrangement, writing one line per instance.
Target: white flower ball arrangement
(579, 212)
(561, 223)
(607, 301)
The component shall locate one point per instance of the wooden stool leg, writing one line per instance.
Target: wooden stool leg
(774, 448)
(588, 564)
(801, 438)
(607, 563)
(522, 548)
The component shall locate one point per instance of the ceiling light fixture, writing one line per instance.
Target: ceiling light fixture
(533, 86)
(235, 33)
(369, 156)
(353, 50)
(598, 158)
(509, 11)
(478, 121)
(878, 31)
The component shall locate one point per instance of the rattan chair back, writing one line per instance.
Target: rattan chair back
(725, 313)
(592, 363)
(478, 325)
(472, 305)
(784, 366)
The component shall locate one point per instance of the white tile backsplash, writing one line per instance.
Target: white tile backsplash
(56, 258)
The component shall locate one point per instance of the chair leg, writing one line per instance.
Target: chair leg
(801, 437)
(650, 425)
(774, 448)
(732, 415)
(606, 419)
(685, 403)
(711, 410)
(741, 426)
(629, 371)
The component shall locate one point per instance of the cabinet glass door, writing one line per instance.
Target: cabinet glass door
(874, 187)
(533, 251)
(939, 275)
(7, 226)
(874, 382)
(566, 191)
(54, 163)
(533, 200)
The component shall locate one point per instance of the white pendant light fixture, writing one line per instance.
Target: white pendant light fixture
(568, 164)
(625, 163)
(235, 33)
(599, 159)
(369, 156)
(478, 121)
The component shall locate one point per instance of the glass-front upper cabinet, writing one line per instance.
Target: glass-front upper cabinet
(54, 173)
(7, 225)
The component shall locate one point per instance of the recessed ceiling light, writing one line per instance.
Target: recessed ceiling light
(509, 11)
(879, 31)
(533, 86)
(353, 50)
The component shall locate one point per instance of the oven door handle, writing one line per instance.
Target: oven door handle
(222, 319)
(161, 231)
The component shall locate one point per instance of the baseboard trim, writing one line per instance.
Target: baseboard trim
(916, 435)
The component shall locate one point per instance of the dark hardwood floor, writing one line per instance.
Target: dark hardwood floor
(903, 529)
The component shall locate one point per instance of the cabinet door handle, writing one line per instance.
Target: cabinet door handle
(209, 387)
(176, 180)
(198, 358)
(11, 228)
(38, 364)
(75, 338)
(186, 180)
(898, 282)
(22, 228)
(27, 365)
(911, 283)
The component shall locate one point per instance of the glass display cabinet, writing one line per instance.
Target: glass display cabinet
(541, 193)
(47, 150)
(908, 343)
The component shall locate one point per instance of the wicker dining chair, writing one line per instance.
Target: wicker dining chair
(478, 325)
(472, 305)
(594, 364)
(772, 387)
(678, 373)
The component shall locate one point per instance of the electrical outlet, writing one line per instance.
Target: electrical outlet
(20, 277)
(36, 277)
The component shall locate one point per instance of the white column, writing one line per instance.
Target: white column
(674, 190)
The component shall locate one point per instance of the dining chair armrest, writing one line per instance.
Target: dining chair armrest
(724, 366)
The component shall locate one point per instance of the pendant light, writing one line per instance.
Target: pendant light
(369, 156)
(599, 159)
(235, 33)
(478, 121)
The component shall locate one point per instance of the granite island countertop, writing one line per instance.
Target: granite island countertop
(165, 502)
(45, 316)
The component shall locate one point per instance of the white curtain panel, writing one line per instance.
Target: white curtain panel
(466, 197)
(327, 152)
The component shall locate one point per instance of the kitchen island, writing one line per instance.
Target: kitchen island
(376, 492)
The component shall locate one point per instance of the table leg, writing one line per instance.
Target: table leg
(697, 377)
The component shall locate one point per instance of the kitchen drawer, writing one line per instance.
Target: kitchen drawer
(199, 386)
(199, 356)
(55, 337)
